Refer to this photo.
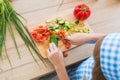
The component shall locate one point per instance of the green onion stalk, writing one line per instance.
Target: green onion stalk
(10, 19)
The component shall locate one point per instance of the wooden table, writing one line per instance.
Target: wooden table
(105, 18)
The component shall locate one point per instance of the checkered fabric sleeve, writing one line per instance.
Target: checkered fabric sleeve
(83, 69)
(110, 56)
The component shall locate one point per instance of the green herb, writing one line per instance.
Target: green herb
(85, 31)
(59, 19)
(77, 30)
(9, 19)
(48, 20)
(77, 22)
(54, 39)
(53, 27)
(61, 22)
(81, 31)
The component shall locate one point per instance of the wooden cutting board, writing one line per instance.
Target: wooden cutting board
(43, 46)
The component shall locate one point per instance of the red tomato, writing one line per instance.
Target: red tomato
(52, 32)
(46, 34)
(40, 34)
(42, 30)
(67, 44)
(65, 54)
(61, 34)
(82, 12)
(40, 38)
(34, 34)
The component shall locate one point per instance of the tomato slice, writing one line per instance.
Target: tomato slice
(61, 34)
(34, 34)
(52, 32)
(65, 54)
(40, 34)
(40, 38)
(67, 44)
(40, 30)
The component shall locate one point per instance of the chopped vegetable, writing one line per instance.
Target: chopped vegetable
(58, 29)
(61, 34)
(81, 31)
(65, 54)
(54, 39)
(77, 22)
(61, 22)
(40, 34)
(53, 27)
(48, 20)
(67, 44)
(58, 19)
(52, 32)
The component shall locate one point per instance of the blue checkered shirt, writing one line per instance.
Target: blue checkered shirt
(83, 69)
(109, 61)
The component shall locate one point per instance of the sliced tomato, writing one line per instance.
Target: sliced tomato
(41, 30)
(61, 34)
(52, 32)
(40, 26)
(65, 54)
(40, 38)
(67, 44)
(40, 33)
(46, 34)
(34, 34)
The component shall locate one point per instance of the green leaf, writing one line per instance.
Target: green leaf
(54, 39)
(9, 16)
(7, 55)
(77, 22)
(2, 33)
(13, 38)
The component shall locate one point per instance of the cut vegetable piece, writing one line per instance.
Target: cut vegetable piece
(54, 39)
(48, 20)
(59, 19)
(77, 22)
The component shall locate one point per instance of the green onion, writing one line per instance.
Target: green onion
(9, 19)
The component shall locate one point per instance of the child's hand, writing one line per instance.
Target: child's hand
(77, 39)
(81, 38)
(55, 55)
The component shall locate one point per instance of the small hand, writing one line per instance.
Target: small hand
(56, 58)
(77, 39)
(55, 55)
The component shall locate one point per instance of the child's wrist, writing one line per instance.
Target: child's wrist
(59, 66)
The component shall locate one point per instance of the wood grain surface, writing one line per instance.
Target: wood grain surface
(105, 18)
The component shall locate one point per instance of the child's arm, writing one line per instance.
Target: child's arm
(56, 57)
(81, 38)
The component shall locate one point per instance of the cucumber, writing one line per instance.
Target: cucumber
(54, 39)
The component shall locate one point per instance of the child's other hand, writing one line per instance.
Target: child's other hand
(55, 55)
